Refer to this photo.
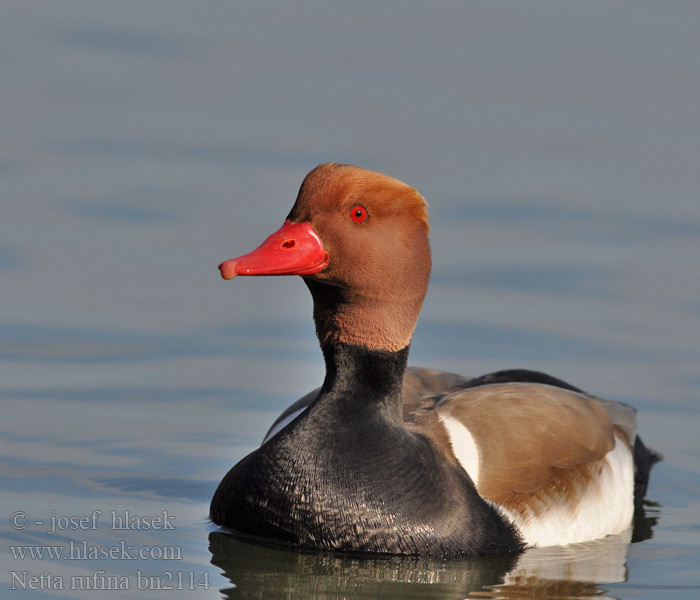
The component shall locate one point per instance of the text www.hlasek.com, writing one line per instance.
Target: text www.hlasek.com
(84, 551)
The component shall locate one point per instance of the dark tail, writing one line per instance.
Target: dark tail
(644, 459)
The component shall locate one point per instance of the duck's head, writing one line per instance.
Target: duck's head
(360, 241)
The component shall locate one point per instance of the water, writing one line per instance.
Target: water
(558, 146)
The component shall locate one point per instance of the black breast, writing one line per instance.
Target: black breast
(347, 475)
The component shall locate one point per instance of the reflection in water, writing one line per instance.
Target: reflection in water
(645, 519)
(574, 571)
(577, 570)
(263, 572)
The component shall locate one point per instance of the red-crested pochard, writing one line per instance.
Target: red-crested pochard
(386, 459)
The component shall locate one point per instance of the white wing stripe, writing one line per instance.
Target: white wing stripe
(463, 446)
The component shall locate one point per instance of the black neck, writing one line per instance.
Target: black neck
(360, 376)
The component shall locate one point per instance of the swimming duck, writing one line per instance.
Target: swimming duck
(385, 459)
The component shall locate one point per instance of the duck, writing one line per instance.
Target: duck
(388, 459)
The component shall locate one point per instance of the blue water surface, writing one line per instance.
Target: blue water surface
(558, 145)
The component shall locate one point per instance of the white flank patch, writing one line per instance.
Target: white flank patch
(606, 507)
(463, 446)
(282, 424)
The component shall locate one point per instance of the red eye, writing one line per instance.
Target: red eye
(358, 213)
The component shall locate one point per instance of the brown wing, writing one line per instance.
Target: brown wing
(527, 433)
